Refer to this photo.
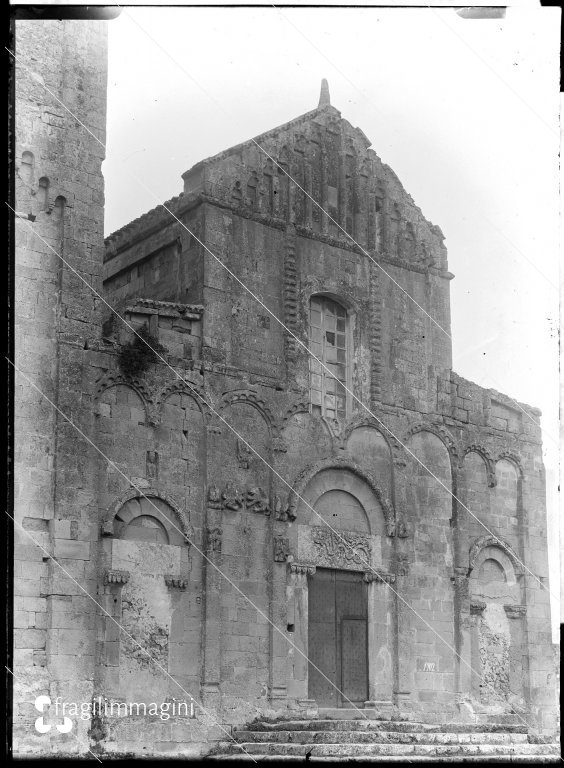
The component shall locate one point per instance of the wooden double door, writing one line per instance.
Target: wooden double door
(338, 638)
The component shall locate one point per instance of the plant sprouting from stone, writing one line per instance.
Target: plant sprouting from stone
(143, 350)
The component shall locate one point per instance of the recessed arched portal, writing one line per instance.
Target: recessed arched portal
(338, 584)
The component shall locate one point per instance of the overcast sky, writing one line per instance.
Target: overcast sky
(465, 111)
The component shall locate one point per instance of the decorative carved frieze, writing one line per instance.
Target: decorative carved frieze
(177, 582)
(232, 497)
(214, 497)
(515, 611)
(379, 576)
(341, 548)
(257, 501)
(281, 549)
(112, 576)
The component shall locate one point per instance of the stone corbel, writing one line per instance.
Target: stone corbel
(112, 576)
(515, 611)
(177, 582)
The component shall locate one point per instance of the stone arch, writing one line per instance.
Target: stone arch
(182, 533)
(494, 543)
(488, 461)
(309, 473)
(442, 433)
(513, 458)
(359, 420)
(109, 380)
(185, 388)
(252, 398)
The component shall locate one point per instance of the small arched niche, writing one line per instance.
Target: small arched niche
(148, 519)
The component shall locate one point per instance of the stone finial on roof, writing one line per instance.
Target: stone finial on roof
(324, 98)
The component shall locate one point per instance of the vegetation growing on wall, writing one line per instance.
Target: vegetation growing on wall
(136, 356)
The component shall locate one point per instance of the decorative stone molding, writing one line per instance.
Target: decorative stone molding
(250, 396)
(514, 458)
(298, 569)
(441, 432)
(488, 460)
(185, 387)
(148, 493)
(341, 548)
(176, 582)
(116, 379)
(515, 611)
(379, 576)
(112, 576)
(167, 308)
(477, 607)
(494, 541)
(307, 475)
(281, 549)
(301, 407)
(290, 295)
(376, 368)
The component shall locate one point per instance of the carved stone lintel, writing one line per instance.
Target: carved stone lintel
(477, 607)
(379, 576)
(515, 611)
(281, 549)
(112, 576)
(177, 582)
(341, 548)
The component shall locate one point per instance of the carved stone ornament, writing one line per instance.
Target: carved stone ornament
(257, 501)
(341, 548)
(177, 582)
(214, 497)
(379, 576)
(112, 576)
(299, 569)
(281, 549)
(477, 607)
(214, 540)
(232, 497)
(285, 513)
(401, 564)
(515, 611)
(402, 530)
(244, 454)
(390, 528)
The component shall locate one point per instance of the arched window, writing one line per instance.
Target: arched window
(328, 341)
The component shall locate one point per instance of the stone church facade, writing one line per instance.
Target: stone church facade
(274, 545)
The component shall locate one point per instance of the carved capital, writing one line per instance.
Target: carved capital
(379, 576)
(177, 582)
(112, 576)
(477, 607)
(299, 569)
(515, 611)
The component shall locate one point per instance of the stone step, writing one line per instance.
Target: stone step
(381, 725)
(397, 750)
(513, 758)
(376, 737)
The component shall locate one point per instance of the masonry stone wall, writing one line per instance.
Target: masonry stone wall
(199, 523)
